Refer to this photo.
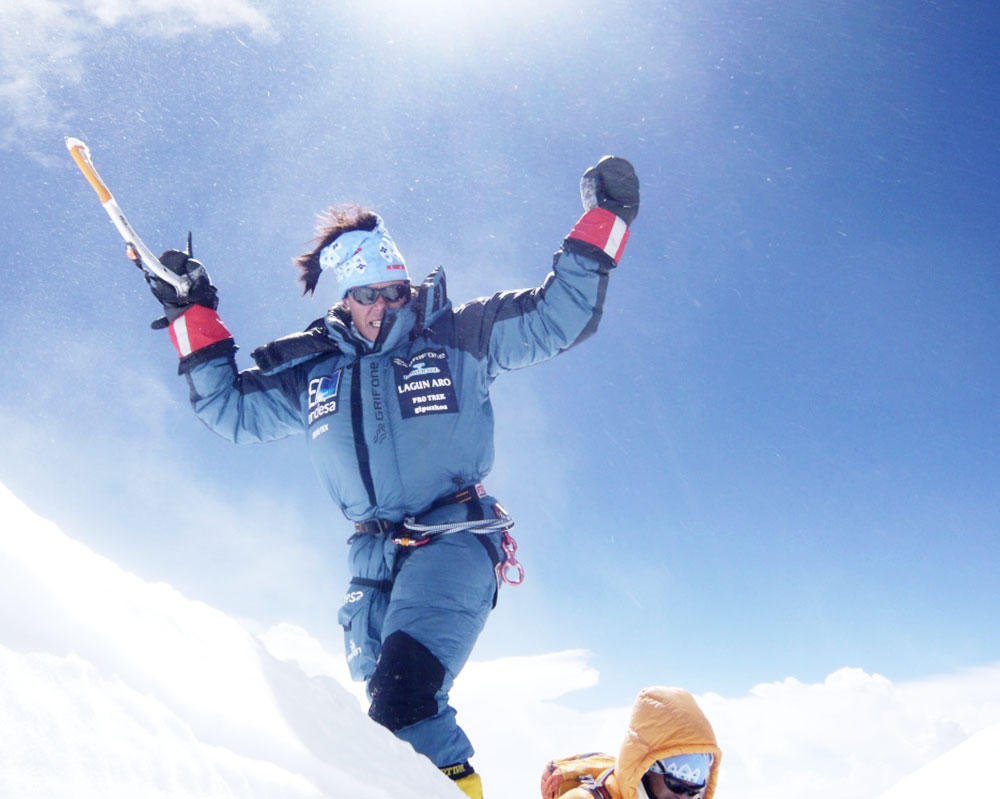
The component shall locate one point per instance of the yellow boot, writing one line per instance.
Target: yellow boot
(471, 786)
(466, 779)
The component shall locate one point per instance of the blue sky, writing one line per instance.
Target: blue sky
(776, 458)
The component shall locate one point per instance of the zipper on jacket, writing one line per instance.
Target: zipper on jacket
(358, 428)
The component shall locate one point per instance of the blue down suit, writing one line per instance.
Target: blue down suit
(398, 428)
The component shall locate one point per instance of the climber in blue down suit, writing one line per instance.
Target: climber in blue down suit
(392, 389)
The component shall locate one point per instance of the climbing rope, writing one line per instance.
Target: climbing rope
(423, 533)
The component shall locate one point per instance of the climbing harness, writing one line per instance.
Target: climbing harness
(410, 533)
(424, 533)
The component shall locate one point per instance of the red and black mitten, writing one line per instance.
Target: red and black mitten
(192, 318)
(610, 195)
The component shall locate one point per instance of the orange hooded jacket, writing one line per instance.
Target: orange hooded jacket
(665, 722)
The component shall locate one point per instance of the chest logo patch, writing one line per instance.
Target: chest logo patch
(323, 396)
(424, 385)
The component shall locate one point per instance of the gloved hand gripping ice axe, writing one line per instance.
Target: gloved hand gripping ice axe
(135, 248)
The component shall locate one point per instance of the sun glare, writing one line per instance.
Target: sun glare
(447, 22)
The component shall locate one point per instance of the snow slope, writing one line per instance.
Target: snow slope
(111, 686)
(968, 770)
(114, 687)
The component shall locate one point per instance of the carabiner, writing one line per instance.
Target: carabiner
(509, 547)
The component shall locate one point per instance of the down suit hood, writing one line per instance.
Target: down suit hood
(665, 722)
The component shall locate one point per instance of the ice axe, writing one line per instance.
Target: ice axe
(134, 246)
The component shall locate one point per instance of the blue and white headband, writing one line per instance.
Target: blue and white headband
(364, 257)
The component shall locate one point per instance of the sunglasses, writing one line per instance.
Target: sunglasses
(367, 295)
(682, 787)
(676, 785)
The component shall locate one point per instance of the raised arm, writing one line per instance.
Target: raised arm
(519, 328)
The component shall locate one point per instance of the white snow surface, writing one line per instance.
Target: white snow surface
(969, 770)
(111, 686)
(114, 687)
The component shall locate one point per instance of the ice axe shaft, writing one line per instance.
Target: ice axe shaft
(81, 155)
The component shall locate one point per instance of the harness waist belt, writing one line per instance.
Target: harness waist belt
(379, 526)
(461, 496)
(375, 527)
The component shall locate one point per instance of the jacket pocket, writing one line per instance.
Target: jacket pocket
(361, 616)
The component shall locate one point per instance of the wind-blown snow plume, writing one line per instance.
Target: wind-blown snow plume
(45, 44)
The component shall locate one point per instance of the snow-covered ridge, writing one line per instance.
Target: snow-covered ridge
(968, 770)
(111, 686)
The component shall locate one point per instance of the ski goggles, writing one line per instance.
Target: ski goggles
(676, 785)
(393, 293)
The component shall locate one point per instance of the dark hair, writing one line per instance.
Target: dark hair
(333, 221)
